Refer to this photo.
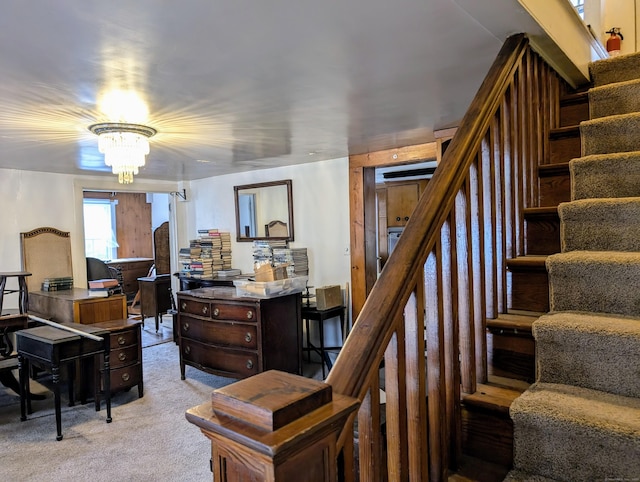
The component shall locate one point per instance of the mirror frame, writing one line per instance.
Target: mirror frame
(287, 183)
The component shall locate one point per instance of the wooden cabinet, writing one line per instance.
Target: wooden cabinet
(132, 269)
(125, 355)
(401, 201)
(76, 306)
(234, 336)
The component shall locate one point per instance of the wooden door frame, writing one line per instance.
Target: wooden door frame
(362, 211)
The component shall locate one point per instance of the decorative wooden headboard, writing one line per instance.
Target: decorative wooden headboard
(46, 253)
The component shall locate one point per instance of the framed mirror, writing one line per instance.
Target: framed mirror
(264, 211)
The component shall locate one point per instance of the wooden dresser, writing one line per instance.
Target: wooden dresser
(125, 355)
(236, 336)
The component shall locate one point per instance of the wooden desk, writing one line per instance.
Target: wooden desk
(188, 283)
(50, 348)
(76, 306)
(155, 296)
(311, 312)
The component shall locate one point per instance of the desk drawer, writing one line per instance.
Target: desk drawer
(123, 338)
(125, 377)
(195, 307)
(222, 311)
(240, 335)
(233, 362)
(123, 356)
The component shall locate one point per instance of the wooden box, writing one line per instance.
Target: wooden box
(270, 273)
(328, 297)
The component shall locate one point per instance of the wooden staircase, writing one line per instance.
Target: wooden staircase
(487, 428)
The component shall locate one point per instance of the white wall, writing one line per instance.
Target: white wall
(320, 213)
(31, 200)
(622, 14)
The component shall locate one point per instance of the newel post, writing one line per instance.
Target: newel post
(274, 427)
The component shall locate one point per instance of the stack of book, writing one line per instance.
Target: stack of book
(57, 284)
(104, 287)
(208, 254)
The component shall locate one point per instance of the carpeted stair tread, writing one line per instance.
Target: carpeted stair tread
(615, 69)
(576, 434)
(614, 99)
(594, 281)
(605, 175)
(607, 224)
(616, 133)
(590, 350)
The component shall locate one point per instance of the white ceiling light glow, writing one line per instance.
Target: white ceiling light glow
(124, 146)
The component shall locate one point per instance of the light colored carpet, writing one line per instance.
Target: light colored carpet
(148, 440)
(598, 176)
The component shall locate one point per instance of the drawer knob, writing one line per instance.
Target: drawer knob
(183, 305)
(185, 327)
(122, 356)
(397, 218)
(205, 310)
(216, 312)
(248, 338)
(249, 364)
(121, 340)
(406, 218)
(187, 349)
(249, 315)
(125, 377)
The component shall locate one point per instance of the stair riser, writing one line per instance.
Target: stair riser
(542, 236)
(571, 452)
(555, 190)
(487, 435)
(574, 113)
(599, 364)
(603, 288)
(600, 178)
(564, 149)
(623, 99)
(529, 291)
(610, 135)
(511, 355)
(600, 226)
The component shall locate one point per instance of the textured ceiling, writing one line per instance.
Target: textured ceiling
(237, 85)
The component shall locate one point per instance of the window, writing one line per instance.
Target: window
(99, 229)
(579, 6)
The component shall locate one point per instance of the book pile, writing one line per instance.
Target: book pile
(208, 254)
(229, 273)
(57, 284)
(104, 287)
(277, 253)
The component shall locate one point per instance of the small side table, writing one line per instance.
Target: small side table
(52, 347)
(311, 312)
(155, 296)
(22, 288)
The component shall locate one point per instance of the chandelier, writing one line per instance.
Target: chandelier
(124, 147)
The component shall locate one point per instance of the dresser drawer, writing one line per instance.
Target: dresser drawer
(123, 356)
(240, 335)
(205, 357)
(223, 311)
(126, 377)
(195, 307)
(123, 338)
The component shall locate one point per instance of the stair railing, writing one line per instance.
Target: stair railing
(447, 275)
(425, 316)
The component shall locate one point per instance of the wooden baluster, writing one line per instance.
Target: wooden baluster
(369, 439)
(396, 405)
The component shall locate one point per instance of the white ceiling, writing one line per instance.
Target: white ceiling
(235, 85)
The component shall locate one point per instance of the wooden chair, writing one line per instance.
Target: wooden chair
(276, 229)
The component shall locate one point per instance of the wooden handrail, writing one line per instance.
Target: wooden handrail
(363, 350)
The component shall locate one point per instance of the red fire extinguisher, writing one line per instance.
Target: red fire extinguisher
(613, 42)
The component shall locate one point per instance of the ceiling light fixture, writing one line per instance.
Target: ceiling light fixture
(124, 147)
